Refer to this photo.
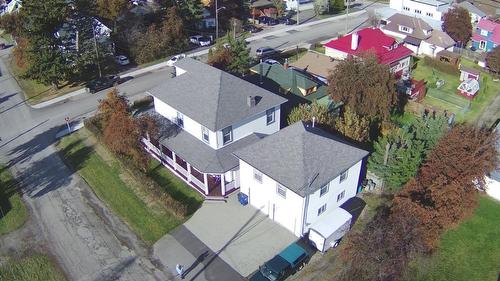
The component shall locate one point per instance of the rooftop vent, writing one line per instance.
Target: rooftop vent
(251, 101)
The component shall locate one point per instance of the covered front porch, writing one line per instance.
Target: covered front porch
(210, 185)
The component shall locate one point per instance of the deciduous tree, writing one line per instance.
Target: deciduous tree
(353, 126)
(306, 112)
(114, 102)
(230, 54)
(112, 9)
(365, 86)
(12, 23)
(493, 59)
(457, 23)
(280, 7)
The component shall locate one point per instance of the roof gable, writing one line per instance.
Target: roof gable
(419, 26)
(211, 97)
(313, 157)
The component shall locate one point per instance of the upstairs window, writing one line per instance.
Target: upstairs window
(404, 29)
(429, 14)
(418, 11)
(281, 190)
(406, 8)
(270, 118)
(484, 32)
(324, 190)
(343, 176)
(205, 135)
(180, 120)
(227, 135)
(257, 176)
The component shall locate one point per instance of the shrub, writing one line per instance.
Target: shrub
(441, 66)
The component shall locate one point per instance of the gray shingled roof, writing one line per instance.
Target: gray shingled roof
(198, 154)
(213, 98)
(301, 157)
(441, 39)
(417, 24)
(471, 8)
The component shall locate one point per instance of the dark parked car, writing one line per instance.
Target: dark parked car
(2, 46)
(103, 83)
(263, 19)
(287, 21)
(272, 22)
(252, 28)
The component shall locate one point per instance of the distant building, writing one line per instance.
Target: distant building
(433, 9)
(475, 13)
(486, 36)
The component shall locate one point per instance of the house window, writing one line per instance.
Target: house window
(227, 135)
(270, 116)
(205, 134)
(343, 176)
(482, 45)
(257, 176)
(324, 190)
(321, 209)
(484, 32)
(180, 120)
(340, 196)
(406, 8)
(404, 29)
(429, 14)
(418, 11)
(281, 190)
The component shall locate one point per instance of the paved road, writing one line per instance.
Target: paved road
(88, 242)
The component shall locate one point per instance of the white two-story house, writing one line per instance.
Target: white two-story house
(299, 175)
(430, 9)
(205, 115)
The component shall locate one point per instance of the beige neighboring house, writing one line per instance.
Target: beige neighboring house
(316, 64)
(417, 35)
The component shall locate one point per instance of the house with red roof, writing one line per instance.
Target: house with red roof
(487, 35)
(386, 48)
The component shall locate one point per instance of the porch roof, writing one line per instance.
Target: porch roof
(198, 154)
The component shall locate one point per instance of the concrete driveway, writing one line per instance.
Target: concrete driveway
(241, 235)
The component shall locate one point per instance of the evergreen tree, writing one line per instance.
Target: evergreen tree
(337, 6)
(397, 156)
(191, 11)
(240, 56)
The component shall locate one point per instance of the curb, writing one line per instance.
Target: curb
(59, 99)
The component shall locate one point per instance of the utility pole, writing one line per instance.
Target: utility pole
(298, 11)
(96, 52)
(347, 17)
(234, 28)
(217, 9)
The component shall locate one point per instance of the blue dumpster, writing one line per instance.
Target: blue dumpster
(243, 198)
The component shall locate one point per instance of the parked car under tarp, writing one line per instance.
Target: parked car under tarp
(329, 229)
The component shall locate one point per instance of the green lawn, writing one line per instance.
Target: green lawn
(35, 267)
(13, 212)
(36, 92)
(103, 176)
(174, 186)
(446, 98)
(468, 253)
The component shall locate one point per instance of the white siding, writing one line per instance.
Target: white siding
(396, 35)
(349, 185)
(190, 126)
(254, 124)
(336, 54)
(288, 211)
(403, 64)
(413, 5)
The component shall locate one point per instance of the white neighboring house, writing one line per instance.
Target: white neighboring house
(11, 7)
(206, 114)
(417, 35)
(433, 9)
(299, 174)
(475, 13)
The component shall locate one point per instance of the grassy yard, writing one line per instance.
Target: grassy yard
(36, 92)
(445, 98)
(35, 267)
(13, 212)
(174, 186)
(469, 252)
(112, 185)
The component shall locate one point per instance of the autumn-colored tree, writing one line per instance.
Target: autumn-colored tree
(112, 9)
(457, 24)
(353, 126)
(280, 7)
(114, 102)
(306, 112)
(493, 59)
(20, 52)
(230, 54)
(219, 56)
(365, 86)
(12, 23)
